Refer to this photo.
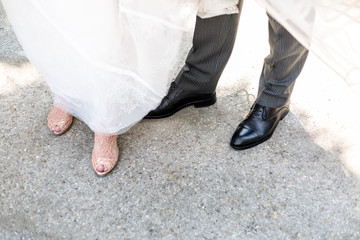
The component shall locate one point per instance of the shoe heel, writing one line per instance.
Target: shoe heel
(284, 115)
(206, 103)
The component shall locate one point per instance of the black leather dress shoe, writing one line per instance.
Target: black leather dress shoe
(258, 126)
(177, 99)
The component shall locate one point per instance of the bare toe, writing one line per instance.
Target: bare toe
(100, 168)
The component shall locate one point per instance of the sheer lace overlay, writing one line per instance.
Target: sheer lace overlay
(109, 61)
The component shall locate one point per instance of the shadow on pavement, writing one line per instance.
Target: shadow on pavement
(177, 178)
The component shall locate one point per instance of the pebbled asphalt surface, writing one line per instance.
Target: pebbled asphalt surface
(177, 178)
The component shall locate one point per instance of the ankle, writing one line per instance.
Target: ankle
(105, 144)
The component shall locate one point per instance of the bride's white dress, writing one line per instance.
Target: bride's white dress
(108, 62)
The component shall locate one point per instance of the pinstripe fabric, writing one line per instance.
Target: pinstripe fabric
(213, 42)
(281, 67)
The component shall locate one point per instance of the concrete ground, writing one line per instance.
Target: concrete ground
(178, 178)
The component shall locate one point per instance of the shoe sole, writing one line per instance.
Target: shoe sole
(262, 140)
(197, 104)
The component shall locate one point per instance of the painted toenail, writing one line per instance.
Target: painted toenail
(101, 168)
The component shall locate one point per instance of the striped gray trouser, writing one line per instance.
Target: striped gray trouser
(213, 43)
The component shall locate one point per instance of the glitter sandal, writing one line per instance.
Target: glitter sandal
(105, 154)
(59, 121)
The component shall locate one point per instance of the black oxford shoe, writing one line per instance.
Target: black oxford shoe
(258, 126)
(177, 99)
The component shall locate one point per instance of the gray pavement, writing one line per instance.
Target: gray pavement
(178, 178)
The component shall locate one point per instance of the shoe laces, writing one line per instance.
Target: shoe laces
(258, 111)
(173, 85)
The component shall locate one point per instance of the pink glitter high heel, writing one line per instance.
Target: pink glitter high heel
(59, 121)
(105, 154)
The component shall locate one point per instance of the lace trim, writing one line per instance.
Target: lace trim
(212, 8)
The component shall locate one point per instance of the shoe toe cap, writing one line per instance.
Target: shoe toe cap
(243, 136)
